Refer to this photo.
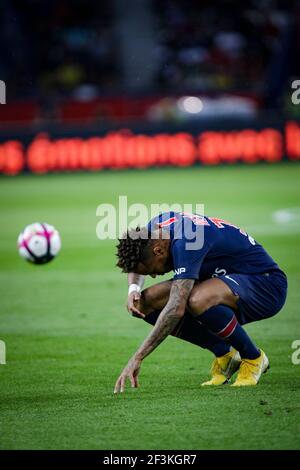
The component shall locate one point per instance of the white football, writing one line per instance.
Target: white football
(39, 243)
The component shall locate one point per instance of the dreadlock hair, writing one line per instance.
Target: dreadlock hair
(133, 248)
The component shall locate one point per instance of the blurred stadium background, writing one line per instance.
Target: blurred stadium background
(187, 102)
(93, 85)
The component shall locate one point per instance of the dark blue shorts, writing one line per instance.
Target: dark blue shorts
(260, 295)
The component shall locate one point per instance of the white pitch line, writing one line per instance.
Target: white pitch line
(287, 215)
(284, 222)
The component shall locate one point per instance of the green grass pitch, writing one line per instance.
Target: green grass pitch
(68, 335)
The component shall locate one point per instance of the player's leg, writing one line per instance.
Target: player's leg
(261, 296)
(204, 295)
(155, 298)
(249, 296)
(214, 304)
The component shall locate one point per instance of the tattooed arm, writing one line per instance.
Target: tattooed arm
(169, 317)
(167, 321)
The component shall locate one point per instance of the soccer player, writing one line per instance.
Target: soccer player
(222, 280)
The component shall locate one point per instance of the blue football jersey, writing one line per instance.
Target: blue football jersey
(203, 247)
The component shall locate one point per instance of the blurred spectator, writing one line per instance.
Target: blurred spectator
(223, 46)
(53, 46)
(55, 49)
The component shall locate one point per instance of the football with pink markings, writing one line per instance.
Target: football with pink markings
(39, 243)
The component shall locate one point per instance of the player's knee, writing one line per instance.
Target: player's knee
(147, 299)
(198, 303)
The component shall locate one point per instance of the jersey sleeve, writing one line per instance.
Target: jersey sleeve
(187, 263)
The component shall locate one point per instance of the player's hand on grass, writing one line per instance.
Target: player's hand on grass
(133, 304)
(131, 372)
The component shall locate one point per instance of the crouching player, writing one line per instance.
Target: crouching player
(219, 284)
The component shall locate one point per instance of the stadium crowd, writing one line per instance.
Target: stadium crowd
(57, 49)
